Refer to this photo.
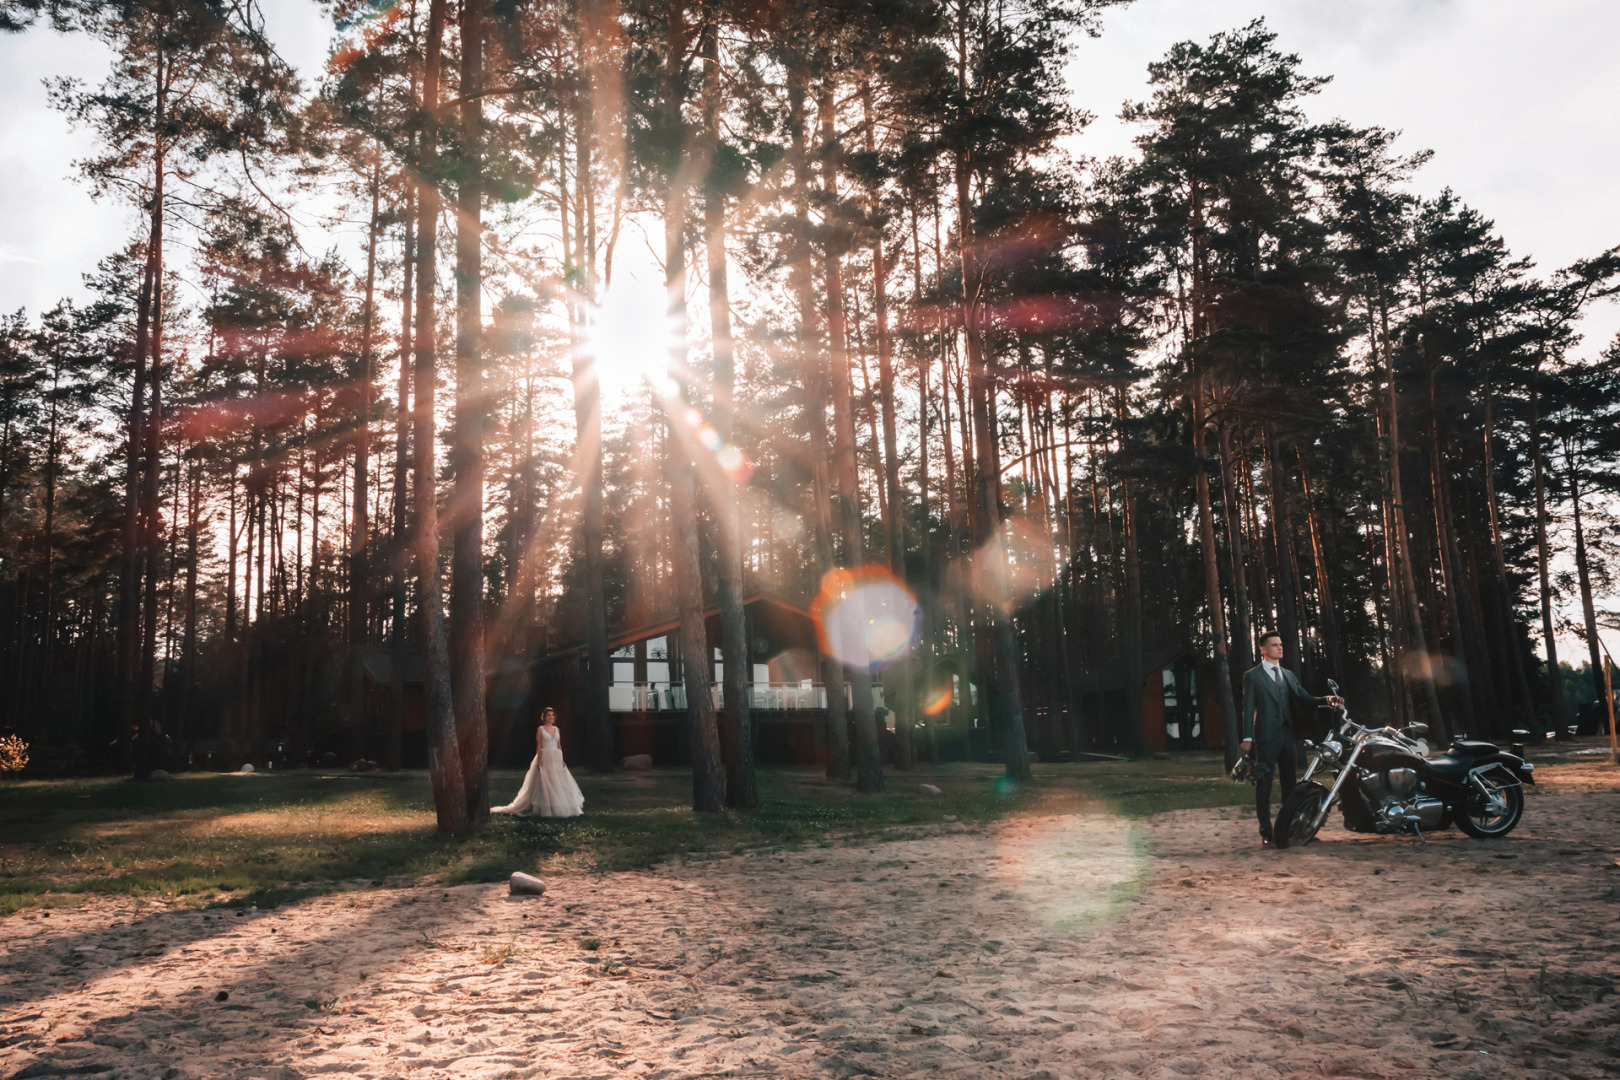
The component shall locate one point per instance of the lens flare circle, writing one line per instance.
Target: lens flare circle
(735, 463)
(1012, 567)
(865, 617)
(1071, 873)
(938, 700)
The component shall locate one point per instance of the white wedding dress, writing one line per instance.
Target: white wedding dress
(549, 789)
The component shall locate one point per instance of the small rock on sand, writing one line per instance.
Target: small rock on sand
(928, 789)
(246, 768)
(637, 762)
(525, 885)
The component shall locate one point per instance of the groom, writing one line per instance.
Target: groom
(1268, 725)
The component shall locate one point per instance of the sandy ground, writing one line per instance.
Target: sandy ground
(1056, 946)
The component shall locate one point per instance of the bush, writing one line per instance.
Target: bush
(13, 755)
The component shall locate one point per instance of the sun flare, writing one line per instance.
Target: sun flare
(630, 338)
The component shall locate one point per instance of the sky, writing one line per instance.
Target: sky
(1515, 99)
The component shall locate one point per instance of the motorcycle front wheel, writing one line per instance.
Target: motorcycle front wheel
(1496, 816)
(1300, 816)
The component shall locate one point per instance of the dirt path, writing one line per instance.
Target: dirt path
(1052, 946)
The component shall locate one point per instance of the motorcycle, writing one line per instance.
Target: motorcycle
(1387, 782)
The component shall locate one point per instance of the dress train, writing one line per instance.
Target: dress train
(549, 789)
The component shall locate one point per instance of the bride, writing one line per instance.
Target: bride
(549, 789)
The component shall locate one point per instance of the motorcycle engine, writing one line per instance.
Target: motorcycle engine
(1395, 800)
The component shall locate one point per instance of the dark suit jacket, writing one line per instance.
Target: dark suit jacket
(1265, 709)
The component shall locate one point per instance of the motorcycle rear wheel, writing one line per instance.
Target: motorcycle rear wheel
(1496, 818)
(1300, 816)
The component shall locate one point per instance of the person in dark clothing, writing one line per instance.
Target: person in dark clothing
(1268, 725)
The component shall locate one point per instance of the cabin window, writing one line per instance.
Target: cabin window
(1172, 724)
(658, 665)
(1196, 723)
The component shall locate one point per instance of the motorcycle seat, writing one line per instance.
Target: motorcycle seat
(1474, 747)
(1450, 765)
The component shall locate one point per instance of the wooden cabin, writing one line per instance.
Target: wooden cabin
(1177, 713)
(647, 692)
(377, 668)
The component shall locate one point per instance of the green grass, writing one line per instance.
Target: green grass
(272, 838)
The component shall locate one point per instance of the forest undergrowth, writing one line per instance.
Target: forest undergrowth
(264, 838)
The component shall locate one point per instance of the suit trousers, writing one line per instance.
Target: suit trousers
(1284, 765)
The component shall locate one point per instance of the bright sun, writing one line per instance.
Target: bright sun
(631, 338)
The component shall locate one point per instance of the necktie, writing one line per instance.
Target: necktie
(1276, 675)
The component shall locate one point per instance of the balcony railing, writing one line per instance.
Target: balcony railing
(646, 697)
(782, 696)
(671, 697)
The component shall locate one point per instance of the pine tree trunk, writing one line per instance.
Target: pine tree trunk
(1475, 647)
(868, 756)
(394, 746)
(1557, 710)
(360, 526)
(1324, 587)
(814, 367)
(444, 752)
(1257, 545)
(1232, 511)
(599, 751)
(708, 776)
(47, 634)
(1402, 547)
(188, 645)
(1063, 702)
(1136, 732)
(1446, 549)
(986, 503)
(466, 634)
(231, 539)
(1231, 723)
(1583, 569)
(1069, 609)
(902, 680)
(147, 440)
(1507, 623)
(1282, 545)
(742, 793)
(925, 545)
